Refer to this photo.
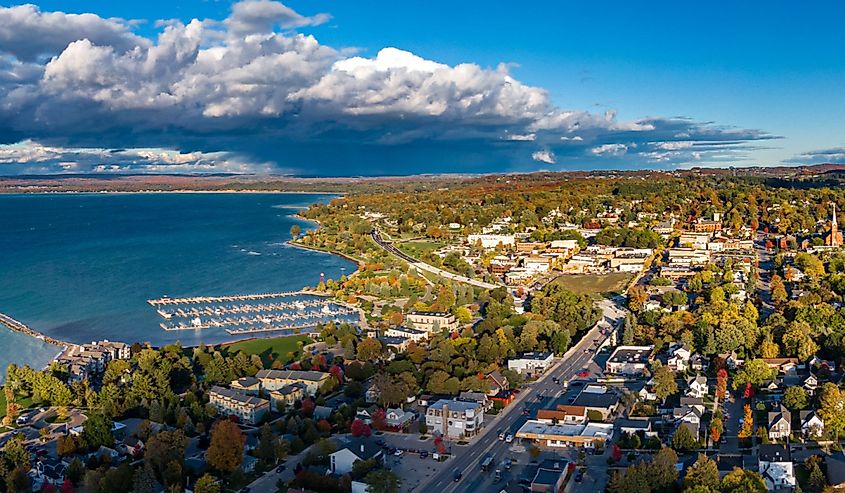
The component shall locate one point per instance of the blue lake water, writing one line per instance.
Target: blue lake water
(80, 267)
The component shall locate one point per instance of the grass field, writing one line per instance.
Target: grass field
(24, 403)
(418, 248)
(595, 284)
(278, 348)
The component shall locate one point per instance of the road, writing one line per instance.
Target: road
(390, 248)
(467, 459)
(764, 270)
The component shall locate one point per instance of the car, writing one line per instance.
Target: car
(398, 453)
(380, 442)
(508, 463)
(501, 435)
(280, 468)
(423, 454)
(526, 411)
(509, 438)
(391, 450)
(584, 373)
(579, 476)
(555, 380)
(457, 475)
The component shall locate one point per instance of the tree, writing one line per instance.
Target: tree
(703, 473)
(295, 231)
(683, 440)
(832, 409)
(164, 448)
(664, 382)
(207, 484)
(755, 372)
(266, 450)
(797, 341)
(629, 330)
(747, 423)
(97, 431)
(779, 294)
(795, 398)
(721, 383)
(382, 481)
(227, 446)
(360, 429)
(816, 480)
(369, 349)
(743, 481)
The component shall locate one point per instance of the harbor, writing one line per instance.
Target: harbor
(292, 312)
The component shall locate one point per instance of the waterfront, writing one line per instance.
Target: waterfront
(81, 267)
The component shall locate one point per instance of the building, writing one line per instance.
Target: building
(454, 418)
(812, 426)
(545, 434)
(536, 264)
(697, 240)
(547, 477)
(636, 427)
(490, 241)
(248, 408)
(432, 321)
(91, 359)
(604, 404)
(533, 363)
(776, 468)
(836, 470)
(679, 357)
(246, 385)
(697, 386)
(834, 238)
(496, 382)
(276, 379)
(563, 414)
(398, 419)
(780, 423)
(415, 335)
(398, 343)
(629, 360)
(352, 451)
(286, 396)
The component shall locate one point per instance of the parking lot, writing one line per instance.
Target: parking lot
(409, 466)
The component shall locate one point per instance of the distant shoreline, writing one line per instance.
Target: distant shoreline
(181, 191)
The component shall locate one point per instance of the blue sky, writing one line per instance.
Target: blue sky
(768, 74)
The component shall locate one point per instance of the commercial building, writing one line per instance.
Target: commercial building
(432, 321)
(629, 360)
(533, 363)
(587, 435)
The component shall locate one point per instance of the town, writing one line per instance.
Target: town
(534, 333)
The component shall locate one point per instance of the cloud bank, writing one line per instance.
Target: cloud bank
(251, 94)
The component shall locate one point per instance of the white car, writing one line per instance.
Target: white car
(509, 438)
(398, 453)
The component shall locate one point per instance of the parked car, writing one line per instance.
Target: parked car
(423, 454)
(398, 453)
(501, 434)
(280, 468)
(509, 438)
(457, 475)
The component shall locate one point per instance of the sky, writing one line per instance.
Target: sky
(338, 88)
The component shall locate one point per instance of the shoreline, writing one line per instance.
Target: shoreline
(156, 191)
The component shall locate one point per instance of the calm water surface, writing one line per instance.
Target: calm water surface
(80, 267)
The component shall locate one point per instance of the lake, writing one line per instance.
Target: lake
(81, 267)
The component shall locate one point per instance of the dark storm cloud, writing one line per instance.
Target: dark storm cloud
(239, 94)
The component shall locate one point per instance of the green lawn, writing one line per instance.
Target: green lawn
(595, 284)
(418, 248)
(23, 403)
(271, 349)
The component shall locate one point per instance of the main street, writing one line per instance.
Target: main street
(467, 459)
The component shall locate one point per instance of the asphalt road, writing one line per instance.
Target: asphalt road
(467, 459)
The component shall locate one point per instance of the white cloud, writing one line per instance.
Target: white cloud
(544, 157)
(610, 150)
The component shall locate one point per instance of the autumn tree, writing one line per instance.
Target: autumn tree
(207, 484)
(743, 481)
(369, 349)
(683, 441)
(703, 473)
(795, 398)
(832, 409)
(747, 423)
(227, 446)
(664, 382)
(721, 383)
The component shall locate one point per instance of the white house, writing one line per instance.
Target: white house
(776, 468)
(812, 426)
(353, 450)
(697, 386)
(780, 423)
(679, 357)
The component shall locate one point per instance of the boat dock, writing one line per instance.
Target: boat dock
(223, 299)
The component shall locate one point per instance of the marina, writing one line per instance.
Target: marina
(244, 314)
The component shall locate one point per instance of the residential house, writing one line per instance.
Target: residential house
(132, 446)
(46, 471)
(454, 418)
(248, 408)
(812, 426)
(811, 383)
(352, 451)
(780, 423)
(398, 419)
(731, 360)
(276, 379)
(635, 426)
(776, 468)
(679, 357)
(697, 386)
(496, 382)
(533, 363)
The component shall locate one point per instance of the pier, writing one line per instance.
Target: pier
(18, 326)
(222, 299)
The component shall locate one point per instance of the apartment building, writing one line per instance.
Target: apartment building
(432, 321)
(453, 418)
(248, 408)
(276, 379)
